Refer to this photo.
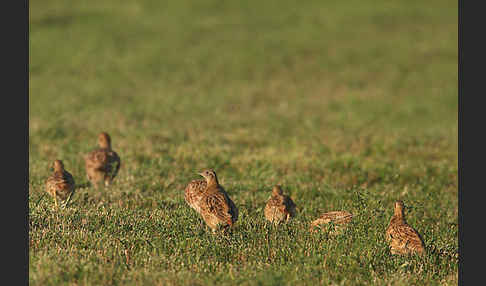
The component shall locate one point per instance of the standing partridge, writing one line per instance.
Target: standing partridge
(216, 207)
(279, 207)
(60, 185)
(102, 164)
(403, 239)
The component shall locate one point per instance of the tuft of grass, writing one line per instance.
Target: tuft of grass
(347, 105)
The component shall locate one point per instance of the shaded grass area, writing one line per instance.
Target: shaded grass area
(346, 105)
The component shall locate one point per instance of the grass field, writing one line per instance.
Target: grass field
(347, 104)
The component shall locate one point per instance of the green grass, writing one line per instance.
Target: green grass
(348, 104)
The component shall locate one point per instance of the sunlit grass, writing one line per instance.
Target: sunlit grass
(347, 105)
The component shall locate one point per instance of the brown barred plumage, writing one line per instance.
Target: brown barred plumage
(60, 185)
(403, 239)
(337, 217)
(215, 206)
(102, 164)
(194, 192)
(279, 207)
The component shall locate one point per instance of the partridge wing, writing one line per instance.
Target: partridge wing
(289, 205)
(97, 159)
(113, 163)
(407, 235)
(217, 205)
(233, 210)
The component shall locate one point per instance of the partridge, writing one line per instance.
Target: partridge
(102, 164)
(216, 207)
(337, 217)
(60, 185)
(403, 239)
(279, 207)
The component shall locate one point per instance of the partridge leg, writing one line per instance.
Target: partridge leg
(68, 200)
